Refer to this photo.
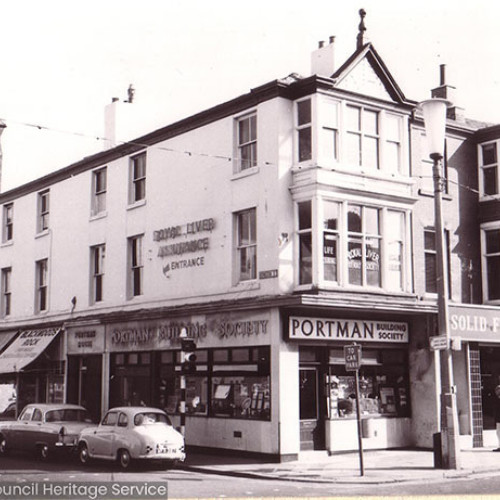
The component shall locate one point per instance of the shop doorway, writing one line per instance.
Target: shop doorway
(312, 415)
(84, 383)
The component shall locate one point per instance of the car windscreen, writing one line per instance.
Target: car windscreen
(67, 415)
(149, 417)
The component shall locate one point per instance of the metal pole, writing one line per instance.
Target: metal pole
(358, 413)
(449, 415)
(182, 406)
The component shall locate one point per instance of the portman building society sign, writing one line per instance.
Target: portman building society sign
(347, 329)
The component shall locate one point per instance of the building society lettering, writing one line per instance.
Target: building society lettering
(347, 329)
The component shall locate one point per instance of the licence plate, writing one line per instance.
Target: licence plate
(163, 448)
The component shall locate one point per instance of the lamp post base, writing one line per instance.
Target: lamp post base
(450, 434)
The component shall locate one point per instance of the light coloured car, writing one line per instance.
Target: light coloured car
(44, 429)
(131, 433)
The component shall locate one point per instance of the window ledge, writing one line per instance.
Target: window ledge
(100, 215)
(43, 233)
(489, 197)
(245, 173)
(137, 204)
(7, 244)
(430, 194)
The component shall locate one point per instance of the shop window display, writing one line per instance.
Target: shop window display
(383, 387)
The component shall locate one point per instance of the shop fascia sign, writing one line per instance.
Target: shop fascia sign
(180, 243)
(474, 323)
(334, 330)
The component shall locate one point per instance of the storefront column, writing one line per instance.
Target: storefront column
(105, 383)
(288, 386)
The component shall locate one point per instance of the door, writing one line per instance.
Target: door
(312, 426)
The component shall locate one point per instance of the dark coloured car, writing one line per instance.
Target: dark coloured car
(44, 429)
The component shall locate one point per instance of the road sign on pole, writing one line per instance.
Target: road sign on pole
(352, 355)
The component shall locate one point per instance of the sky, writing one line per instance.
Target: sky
(63, 61)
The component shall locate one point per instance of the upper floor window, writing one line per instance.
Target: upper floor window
(246, 244)
(43, 211)
(488, 166)
(5, 305)
(491, 263)
(136, 266)
(97, 255)
(137, 178)
(430, 260)
(8, 222)
(247, 141)
(41, 285)
(359, 245)
(99, 188)
(304, 129)
(362, 137)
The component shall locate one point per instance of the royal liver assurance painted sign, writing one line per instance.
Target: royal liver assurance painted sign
(303, 328)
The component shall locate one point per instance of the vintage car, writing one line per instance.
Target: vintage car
(44, 429)
(131, 433)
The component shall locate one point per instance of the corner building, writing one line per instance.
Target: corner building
(276, 228)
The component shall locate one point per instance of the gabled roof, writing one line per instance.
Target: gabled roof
(366, 58)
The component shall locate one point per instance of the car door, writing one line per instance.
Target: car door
(102, 440)
(20, 429)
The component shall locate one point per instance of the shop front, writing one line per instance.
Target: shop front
(32, 368)
(477, 328)
(327, 391)
(228, 396)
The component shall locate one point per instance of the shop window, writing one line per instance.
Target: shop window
(247, 142)
(246, 227)
(99, 189)
(131, 376)
(43, 211)
(491, 263)
(137, 178)
(6, 293)
(383, 385)
(8, 223)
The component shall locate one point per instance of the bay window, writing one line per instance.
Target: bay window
(358, 245)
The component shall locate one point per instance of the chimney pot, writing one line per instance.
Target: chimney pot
(321, 44)
(332, 39)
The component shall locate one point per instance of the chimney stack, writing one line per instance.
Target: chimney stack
(118, 120)
(323, 59)
(448, 92)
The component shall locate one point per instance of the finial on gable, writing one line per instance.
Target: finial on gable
(362, 29)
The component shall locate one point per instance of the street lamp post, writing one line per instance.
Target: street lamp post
(434, 111)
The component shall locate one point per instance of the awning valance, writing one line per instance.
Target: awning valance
(28, 345)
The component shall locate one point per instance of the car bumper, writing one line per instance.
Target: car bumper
(181, 456)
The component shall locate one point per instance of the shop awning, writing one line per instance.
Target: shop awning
(28, 345)
(5, 337)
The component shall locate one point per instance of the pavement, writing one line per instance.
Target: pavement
(379, 466)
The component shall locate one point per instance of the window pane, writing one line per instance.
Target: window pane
(331, 216)
(489, 154)
(330, 257)
(370, 152)
(429, 240)
(353, 118)
(370, 122)
(248, 263)
(430, 273)
(392, 127)
(247, 228)
(490, 181)
(394, 273)
(304, 112)
(493, 241)
(305, 146)
(391, 157)
(371, 216)
(493, 281)
(328, 143)
(354, 219)
(305, 215)
(352, 149)
(354, 262)
(373, 262)
(305, 259)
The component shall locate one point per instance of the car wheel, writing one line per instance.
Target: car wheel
(83, 454)
(3, 445)
(43, 452)
(169, 464)
(124, 459)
